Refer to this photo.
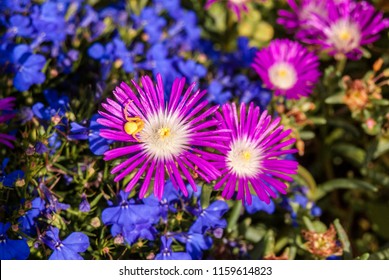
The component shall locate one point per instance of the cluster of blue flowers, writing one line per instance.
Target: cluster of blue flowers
(55, 53)
(134, 220)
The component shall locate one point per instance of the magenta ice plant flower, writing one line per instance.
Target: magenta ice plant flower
(288, 68)
(301, 12)
(237, 6)
(344, 28)
(6, 107)
(254, 161)
(161, 136)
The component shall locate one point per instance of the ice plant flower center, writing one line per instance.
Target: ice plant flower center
(244, 159)
(344, 35)
(164, 135)
(238, 1)
(282, 75)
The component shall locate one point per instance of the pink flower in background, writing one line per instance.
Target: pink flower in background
(161, 136)
(340, 27)
(253, 162)
(288, 68)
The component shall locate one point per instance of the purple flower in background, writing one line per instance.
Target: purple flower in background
(167, 253)
(27, 67)
(161, 136)
(6, 107)
(69, 249)
(237, 6)
(348, 26)
(288, 68)
(254, 157)
(11, 249)
(84, 205)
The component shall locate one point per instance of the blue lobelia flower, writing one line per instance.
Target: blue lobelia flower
(28, 67)
(126, 212)
(53, 205)
(84, 205)
(40, 148)
(11, 249)
(167, 203)
(217, 93)
(195, 243)
(210, 218)
(134, 232)
(259, 205)
(20, 25)
(98, 145)
(191, 70)
(76, 242)
(28, 220)
(167, 253)
(12, 6)
(8, 180)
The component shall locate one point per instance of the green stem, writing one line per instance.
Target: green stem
(341, 64)
(235, 214)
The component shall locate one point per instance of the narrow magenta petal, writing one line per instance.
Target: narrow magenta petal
(118, 152)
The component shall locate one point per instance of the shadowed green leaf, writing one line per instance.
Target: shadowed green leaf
(352, 184)
(347, 253)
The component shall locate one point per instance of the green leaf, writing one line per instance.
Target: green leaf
(255, 234)
(378, 178)
(380, 255)
(377, 212)
(308, 223)
(234, 216)
(382, 148)
(380, 102)
(364, 256)
(319, 226)
(206, 192)
(341, 123)
(335, 99)
(352, 184)
(318, 120)
(347, 253)
(351, 153)
(304, 177)
(307, 135)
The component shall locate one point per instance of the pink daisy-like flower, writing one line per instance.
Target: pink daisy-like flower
(288, 68)
(161, 137)
(301, 12)
(237, 6)
(252, 162)
(344, 28)
(6, 104)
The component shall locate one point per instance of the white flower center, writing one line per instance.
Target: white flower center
(244, 158)
(164, 135)
(344, 35)
(282, 75)
(238, 1)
